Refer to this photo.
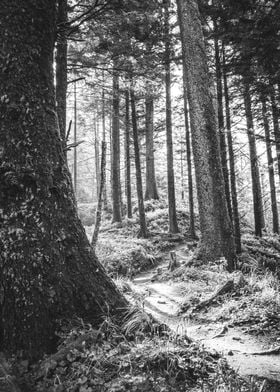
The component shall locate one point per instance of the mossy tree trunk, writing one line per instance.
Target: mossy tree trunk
(216, 231)
(48, 269)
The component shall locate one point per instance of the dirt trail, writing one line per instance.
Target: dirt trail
(163, 299)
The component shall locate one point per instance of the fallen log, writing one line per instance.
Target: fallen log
(263, 252)
(226, 288)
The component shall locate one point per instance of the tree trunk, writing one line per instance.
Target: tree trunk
(216, 231)
(151, 186)
(143, 227)
(256, 184)
(61, 67)
(275, 118)
(49, 271)
(96, 154)
(127, 156)
(98, 214)
(75, 141)
(235, 212)
(221, 122)
(173, 225)
(104, 136)
(116, 182)
(189, 159)
(273, 198)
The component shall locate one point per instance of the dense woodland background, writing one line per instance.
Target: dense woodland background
(242, 48)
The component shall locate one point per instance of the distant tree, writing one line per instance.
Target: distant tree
(98, 214)
(221, 119)
(233, 186)
(127, 156)
(189, 159)
(216, 231)
(255, 172)
(49, 271)
(116, 183)
(151, 186)
(142, 218)
(270, 163)
(173, 224)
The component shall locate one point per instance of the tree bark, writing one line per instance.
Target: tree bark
(142, 218)
(256, 184)
(273, 198)
(49, 271)
(173, 225)
(221, 121)
(116, 182)
(127, 156)
(61, 67)
(235, 212)
(151, 186)
(189, 159)
(216, 231)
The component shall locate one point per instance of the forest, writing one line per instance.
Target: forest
(139, 196)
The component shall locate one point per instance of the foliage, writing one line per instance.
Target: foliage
(114, 363)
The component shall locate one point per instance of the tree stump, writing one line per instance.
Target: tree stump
(173, 263)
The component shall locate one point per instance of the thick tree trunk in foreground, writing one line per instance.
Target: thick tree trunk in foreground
(255, 173)
(173, 225)
(142, 218)
(189, 159)
(48, 269)
(273, 198)
(216, 231)
(61, 66)
(116, 181)
(235, 212)
(127, 157)
(151, 186)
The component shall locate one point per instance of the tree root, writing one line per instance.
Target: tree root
(271, 351)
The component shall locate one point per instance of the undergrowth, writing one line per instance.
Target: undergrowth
(139, 356)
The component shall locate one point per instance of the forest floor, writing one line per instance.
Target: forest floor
(243, 324)
(191, 327)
